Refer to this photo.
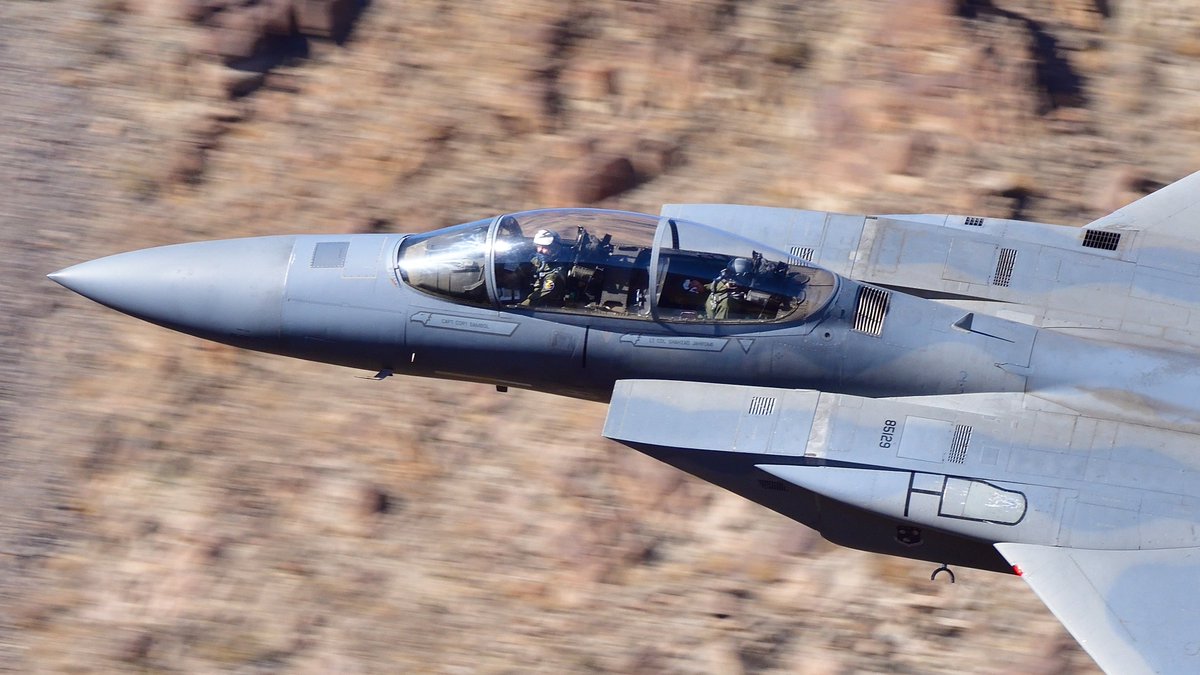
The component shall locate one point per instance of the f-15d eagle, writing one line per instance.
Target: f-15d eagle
(1003, 395)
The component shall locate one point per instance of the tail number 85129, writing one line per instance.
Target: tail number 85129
(888, 435)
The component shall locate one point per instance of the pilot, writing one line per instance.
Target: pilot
(549, 274)
(726, 288)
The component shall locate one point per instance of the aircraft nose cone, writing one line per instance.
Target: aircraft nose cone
(229, 290)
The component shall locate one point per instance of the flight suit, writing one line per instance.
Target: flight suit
(549, 285)
(722, 293)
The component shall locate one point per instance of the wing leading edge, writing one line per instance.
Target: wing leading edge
(1133, 611)
(1170, 211)
(918, 478)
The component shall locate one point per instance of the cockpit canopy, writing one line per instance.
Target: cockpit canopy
(615, 263)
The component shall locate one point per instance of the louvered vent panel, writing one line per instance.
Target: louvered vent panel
(958, 444)
(799, 254)
(974, 221)
(1004, 267)
(870, 310)
(1109, 241)
(762, 405)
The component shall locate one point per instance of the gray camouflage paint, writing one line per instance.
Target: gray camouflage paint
(977, 392)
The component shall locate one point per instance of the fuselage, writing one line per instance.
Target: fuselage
(649, 298)
(865, 341)
(1015, 397)
(901, 346)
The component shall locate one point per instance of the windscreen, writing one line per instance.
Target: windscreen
(448, 262)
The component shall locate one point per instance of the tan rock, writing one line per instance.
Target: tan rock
(1119, 186)
(920, 25)
(571, 148)
(277, 17)
(325, 18)
(187, 162)
(908, 155)
(234, 83)
(588, 180)
(236, 35)
(590, 80)
(136, 648)
(1085, 14)
(376, 501)
(652, 157)
(200, 10)
(1070, 119)
(521, 107)
(1006, 182)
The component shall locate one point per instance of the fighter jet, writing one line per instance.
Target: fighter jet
(969, 391)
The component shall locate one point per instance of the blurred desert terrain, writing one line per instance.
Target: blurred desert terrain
(171, 505)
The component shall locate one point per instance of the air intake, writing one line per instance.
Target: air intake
(870, 310)
(974, 221)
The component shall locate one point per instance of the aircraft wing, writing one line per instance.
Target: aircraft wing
(1133, 611)
(944, 478)
(1171, 211)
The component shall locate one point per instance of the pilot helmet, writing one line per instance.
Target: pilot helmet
(545, 238)
(739, 266)
(547, 245)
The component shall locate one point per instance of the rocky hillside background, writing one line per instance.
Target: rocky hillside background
(170, 505)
